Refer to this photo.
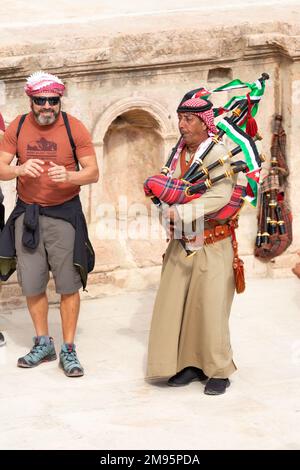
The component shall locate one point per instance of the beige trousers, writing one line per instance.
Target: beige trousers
(190, 323)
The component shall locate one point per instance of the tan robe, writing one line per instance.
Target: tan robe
(191, 312)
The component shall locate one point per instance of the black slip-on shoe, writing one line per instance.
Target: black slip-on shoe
(186, 376)
(2, 339)
(216, 386)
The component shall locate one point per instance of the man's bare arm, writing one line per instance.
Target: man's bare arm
(7, 172)
(89, 172)
(32, 167)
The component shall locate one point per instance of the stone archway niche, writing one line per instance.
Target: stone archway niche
(133, 150)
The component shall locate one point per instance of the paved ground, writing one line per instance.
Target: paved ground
(112, 407)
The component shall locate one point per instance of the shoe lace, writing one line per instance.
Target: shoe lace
(70, 356)
(35, 351)
(71, 359)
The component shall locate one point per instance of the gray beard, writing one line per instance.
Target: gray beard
(45, 120)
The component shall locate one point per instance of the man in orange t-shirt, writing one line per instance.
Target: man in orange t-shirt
(47, 213)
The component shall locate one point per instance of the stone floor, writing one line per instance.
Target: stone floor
(112, 407)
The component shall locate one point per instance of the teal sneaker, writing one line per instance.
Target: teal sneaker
(42, 351)
(69, 361)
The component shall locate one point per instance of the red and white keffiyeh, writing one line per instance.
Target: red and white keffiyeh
(40, 82)
(206, 116)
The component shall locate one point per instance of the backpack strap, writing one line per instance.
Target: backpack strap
(72, 143)
(21, 122)
(22, 119)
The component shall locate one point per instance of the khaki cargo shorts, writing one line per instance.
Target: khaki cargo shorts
(54, 252)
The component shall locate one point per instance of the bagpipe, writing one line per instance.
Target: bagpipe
(163, 188)
(274, 233)
(239, 127)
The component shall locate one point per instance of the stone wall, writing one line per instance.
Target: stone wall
(125, 87)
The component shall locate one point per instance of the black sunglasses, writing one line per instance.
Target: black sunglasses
(41, 100)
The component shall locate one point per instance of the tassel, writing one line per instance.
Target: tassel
(238, 263)
(251, 126)
(239, 275)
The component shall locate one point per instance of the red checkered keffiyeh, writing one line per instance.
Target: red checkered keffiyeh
(40, 82)
(206, 116)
